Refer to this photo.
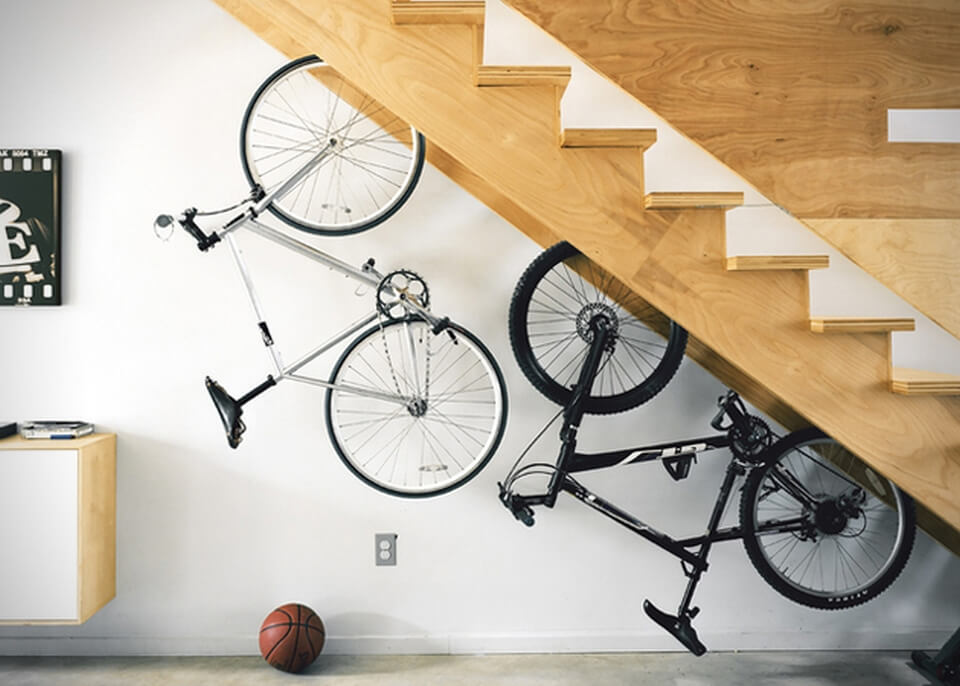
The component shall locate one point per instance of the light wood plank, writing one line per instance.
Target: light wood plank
(776, 262)
(683, 201)
(793, 97)
(609, 138)
(464, 12)
(918, 259)
(490, 75)
(918, 382)
(98, 525)
(860, 324)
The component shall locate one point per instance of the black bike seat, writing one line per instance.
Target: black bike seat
(681, 629)
(229, 410)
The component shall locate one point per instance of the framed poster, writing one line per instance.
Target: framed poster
(30, 227)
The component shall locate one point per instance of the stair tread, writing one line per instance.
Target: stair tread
(609, 138)
(469, 12)
(775, 262)
(920, 382)
(861, 324)
(692, 200)
(518, 75)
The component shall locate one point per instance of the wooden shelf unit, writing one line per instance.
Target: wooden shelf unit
(58, 507)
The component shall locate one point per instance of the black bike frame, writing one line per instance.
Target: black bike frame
(676, 457)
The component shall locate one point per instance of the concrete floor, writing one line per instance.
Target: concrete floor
(609, 669)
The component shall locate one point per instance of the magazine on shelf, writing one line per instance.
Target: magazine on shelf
(7, 429)
(55, 429)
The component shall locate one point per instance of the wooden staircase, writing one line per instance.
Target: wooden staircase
(496, 130)
(797, 100)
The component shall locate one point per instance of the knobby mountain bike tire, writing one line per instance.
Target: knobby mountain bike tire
(374, 160)
(549, 321)
(448, 427)
(817, 536)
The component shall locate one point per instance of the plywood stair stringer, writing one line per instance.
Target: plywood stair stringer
(756, 105)
(499, 136)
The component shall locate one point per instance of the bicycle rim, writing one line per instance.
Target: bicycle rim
(375, 159)
(550, 316)
(844, 554)
(450, 424)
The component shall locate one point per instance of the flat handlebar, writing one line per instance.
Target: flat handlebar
(730, 405)
(204, 242)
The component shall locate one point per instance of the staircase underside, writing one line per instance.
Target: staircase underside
(794, 98)
(750, 328)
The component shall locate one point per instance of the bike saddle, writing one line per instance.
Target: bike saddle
(681, 629)
(229, 410)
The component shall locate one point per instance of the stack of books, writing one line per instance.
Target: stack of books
(55, 429)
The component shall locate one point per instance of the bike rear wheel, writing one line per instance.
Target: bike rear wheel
(550, 313)
(817, 536)
(447, 428)
(375, 158)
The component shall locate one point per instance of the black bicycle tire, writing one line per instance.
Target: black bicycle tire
(278, 212)
(773, 577)
(541, 379)
(466, 476)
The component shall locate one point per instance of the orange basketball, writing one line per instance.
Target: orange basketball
(291, 637)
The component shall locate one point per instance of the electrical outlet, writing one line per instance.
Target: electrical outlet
(386, 549)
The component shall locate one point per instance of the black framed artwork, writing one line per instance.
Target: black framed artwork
(30, 227)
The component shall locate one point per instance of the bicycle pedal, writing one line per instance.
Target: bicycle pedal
(680, 629)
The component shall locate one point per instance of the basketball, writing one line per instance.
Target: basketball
(291, 637)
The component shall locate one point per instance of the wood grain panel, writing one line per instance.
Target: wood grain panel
(918, 259)
(492, 75)
(919, 382)
(609, 138)
(438, 12)
(775, 262)
(793, 96)
(98, 525)
(843, 325)
(692, 200)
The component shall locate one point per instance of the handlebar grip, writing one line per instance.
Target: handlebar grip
(724, 402)
(203, 241)
(517, 505)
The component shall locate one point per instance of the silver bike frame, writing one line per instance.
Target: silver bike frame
(366, 275)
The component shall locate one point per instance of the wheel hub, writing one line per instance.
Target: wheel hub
(587, 314)
(417, 408)
(830, 518)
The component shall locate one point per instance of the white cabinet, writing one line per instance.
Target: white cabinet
(57, 529)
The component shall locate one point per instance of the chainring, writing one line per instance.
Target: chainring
(397, 286)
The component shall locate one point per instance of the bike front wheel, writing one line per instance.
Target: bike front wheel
(817, 536)
(374, 159)
(413, 413)
(556, 299)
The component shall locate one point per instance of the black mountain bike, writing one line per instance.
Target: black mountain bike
(814, 534)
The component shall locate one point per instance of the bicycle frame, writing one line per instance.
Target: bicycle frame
(676, 456)
(366, 275)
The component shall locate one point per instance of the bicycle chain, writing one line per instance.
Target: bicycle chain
(381, 315)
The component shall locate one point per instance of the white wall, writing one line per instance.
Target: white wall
(145, 100)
